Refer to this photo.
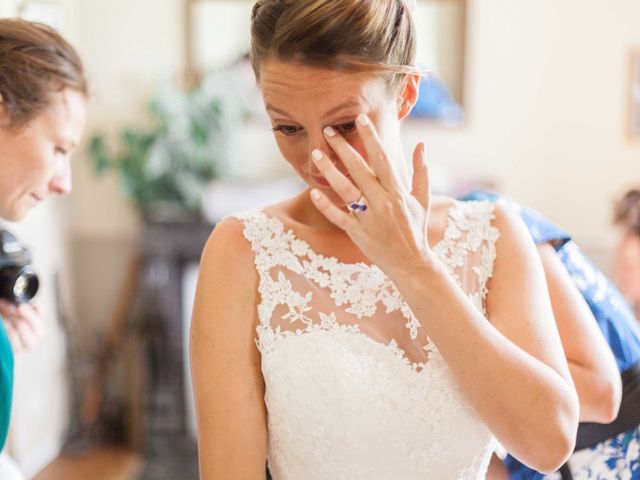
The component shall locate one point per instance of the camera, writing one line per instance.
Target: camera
(18, 281)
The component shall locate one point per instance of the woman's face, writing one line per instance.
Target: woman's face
(301, 101)
(627, 266)
(35, 160)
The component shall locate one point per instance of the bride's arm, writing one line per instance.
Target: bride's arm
(512, 368)
(225, 362)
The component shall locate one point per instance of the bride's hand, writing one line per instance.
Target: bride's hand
(392, 231)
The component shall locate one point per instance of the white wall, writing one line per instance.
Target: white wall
(128, 47)
(547, 98)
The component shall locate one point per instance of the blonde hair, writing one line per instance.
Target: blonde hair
(376, 36)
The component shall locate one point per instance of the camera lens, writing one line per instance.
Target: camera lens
(21, 287)
(18, 284)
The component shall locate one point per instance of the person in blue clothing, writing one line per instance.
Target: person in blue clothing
(608, 441)
(43, 103)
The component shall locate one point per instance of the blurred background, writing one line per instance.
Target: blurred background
(537, 99)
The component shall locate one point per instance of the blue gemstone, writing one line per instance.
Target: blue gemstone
(354, 206)
(363, 207)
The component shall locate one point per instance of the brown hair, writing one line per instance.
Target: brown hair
(627, 211)
(376, 36)
(35, 61)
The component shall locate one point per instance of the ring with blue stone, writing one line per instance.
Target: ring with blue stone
(359, 205)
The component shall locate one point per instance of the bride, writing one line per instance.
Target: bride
(363, 329)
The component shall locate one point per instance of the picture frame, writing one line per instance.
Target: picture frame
(634, 96)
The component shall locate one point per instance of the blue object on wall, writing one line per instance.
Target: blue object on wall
(436, 102)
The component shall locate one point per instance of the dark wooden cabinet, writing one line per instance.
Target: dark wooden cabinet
(166, 248)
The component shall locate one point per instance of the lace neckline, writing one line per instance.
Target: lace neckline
(329, 259)
(358, 287)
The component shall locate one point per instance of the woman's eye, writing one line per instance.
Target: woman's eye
(287, 130)
(346, 127)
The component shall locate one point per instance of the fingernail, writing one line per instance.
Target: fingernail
(316, 155)
(363, 119)
(329, 132)
(315, 194)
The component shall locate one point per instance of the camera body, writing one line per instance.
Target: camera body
(18, 281)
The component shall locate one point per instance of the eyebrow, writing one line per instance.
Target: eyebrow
(337, 108)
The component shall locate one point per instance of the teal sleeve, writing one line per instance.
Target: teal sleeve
(6, 383)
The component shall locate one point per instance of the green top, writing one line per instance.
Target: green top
(6, 383)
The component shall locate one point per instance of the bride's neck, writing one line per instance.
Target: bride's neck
(305, 212)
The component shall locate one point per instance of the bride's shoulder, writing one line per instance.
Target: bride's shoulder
(482, 213)
(501, 219)
(227, 249)
(239, 233)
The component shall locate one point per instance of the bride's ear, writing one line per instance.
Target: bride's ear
(408, 95)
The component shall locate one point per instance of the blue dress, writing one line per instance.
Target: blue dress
(618, 457)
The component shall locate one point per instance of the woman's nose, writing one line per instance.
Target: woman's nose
(61, 181)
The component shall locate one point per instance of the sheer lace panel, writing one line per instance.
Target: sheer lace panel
(468, 248)
(336, 340)
(303, 292)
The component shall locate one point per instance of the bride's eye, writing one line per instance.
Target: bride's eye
(345, 128)
(287, 130)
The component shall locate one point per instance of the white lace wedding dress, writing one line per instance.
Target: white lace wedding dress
(354, 388)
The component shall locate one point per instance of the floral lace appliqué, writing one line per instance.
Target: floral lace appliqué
(344, 400)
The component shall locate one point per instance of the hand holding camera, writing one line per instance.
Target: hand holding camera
(18, 285)
(23, 323)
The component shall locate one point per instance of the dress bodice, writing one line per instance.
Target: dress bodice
(354, 388)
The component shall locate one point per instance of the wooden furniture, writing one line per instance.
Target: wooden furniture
(109, 463)
(166, 247)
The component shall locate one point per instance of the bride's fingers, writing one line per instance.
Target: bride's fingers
(421, 188)
(339, 218)
(380, 163)
(346, 190)
(360, 172)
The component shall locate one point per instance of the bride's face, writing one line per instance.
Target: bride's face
(302, 101)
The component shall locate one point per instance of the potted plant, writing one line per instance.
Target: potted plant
(165, 166)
